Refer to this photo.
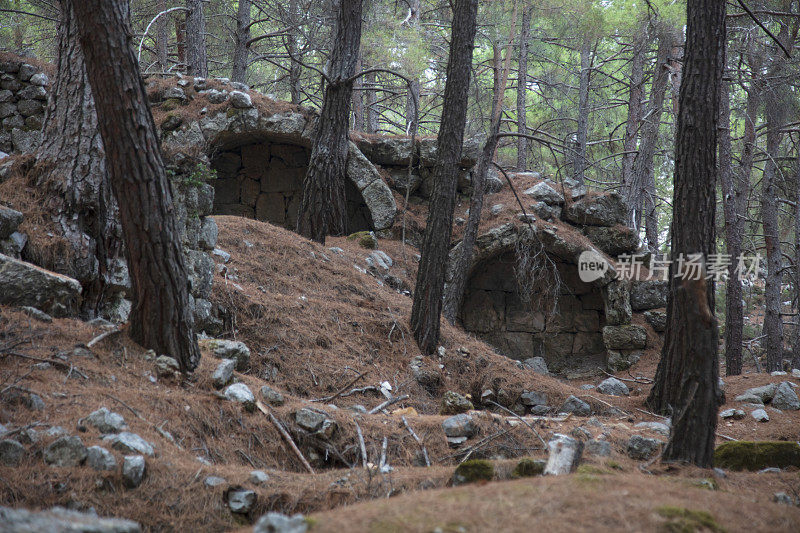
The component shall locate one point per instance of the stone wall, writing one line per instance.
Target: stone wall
(23, 100)
(264, 181)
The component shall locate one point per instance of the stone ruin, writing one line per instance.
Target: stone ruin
(23, 98)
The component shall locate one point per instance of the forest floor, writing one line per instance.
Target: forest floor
(314, 320)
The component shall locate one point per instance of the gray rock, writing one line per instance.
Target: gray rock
(60, 520)
(28, 108)
(493, 184)
(577, 406)
(622, 360)
(546, 211)
(601, 210)
(587, 386)
(166, 366)
(642, 447)
(22, 283)
(761, 394)
(40, 79)
(11, 452)
(496, 209)
(10, 219)
(617, 302)
(658, 427)
(26, 71)
(133, 467)
(241, 393)
(225, 349)
(311, 420)
(613, 387)
(65, 451)
(379, 260)
(785, 398)
(783, 498)
(106, 421)
(624, 337)
(258, 477)
(454, 403)
(600, 448)
(532, 398)
(760, 415)
(279, 523)
(132, 443)
(214, 481)
(736, 414)
(209, 232)
(224, 373)
(651, 294)
(526, 217)
(32, 92)
(576, 189)
(459, 426)
(564, 455)
(241, 100)
(100, 459)
(271, 396)
(543, 192)
(41, 316)
(175, 92)
(56, 431)
(657, 319)
(240, 500)
(537, 364)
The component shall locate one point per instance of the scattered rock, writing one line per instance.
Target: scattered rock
(365, 239)
(576, 406)
(258, 477)
(58, 520)
(24, 284)
(642, 447)
(454, 403)
(166, 366)
(460, 425)
(496, 209)
(41, 316)
(11, 452)
(622, 360)
(133, 467)
(565, 455)
(532, 398)
(613, 387)
(214, 481)
(537, 364)
(106, 421)
(600, 448)
(100, 459)
(657, 319)
(545, 193)
(783, 498)
(650, 294)
(271, 396)
(472, 471)
(736, 414)
(756, 455)
(224, 373)
(279, 523)
(760, 415)
(132, 443)
(785, 398)
(240, 500)
(241, 393)
(10, 219)
(658, 427)
(225, 349)
(379, 261)
(65, 451)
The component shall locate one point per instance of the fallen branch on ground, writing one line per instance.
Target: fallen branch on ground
(285, 434)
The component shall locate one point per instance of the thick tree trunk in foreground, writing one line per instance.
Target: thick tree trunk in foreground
(686, 381)
(522, 88)
(72, 169)
(582, 135)
(426, 309)
(160, 319)
(240, 51)
(631, 188)
(323, 211)
(196, 60)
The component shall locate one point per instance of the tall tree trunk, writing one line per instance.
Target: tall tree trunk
(162, 38)
(631, 186)
(643, 167)
(72, 169)
(371, 97)
(358, 98)
(160, 319)
(686, 381)
(582, 135)
(426, 309)
(522, 88)
(323, 210)
(180, 41)
(796, 340)
(196, 60)
(454, 289)
(294, 52)
(241, 51)
(413, 94)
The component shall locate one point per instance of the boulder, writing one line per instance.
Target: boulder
(600, 448)
(785, 398)
(65, 451)
(241, 100)
(598, 210)
(532, 398)
(546, 211)
(613, 240)
(657, 319)
(100, 459)
(454, 403)
(460, 425)
(658, 427)
(106, 421)
(650, 294)
(760, 415)
(757, 455)
(258, 477)
(758, 395)
(24, 284)
(166, 366)
(575, 405)
(537, 364)
(642, 448)
(613, 387)
(272, 396)
(133, 467)
(617, 302)
(241, 393)
(132, 443)
(735, 414)
(10, 220)
(564, 455)
(543, 192)
(225, 349)
(240, 500)
(58, 520)
(624, 337)
(223, 374)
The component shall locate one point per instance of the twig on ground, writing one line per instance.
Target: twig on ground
(387, 403)
(361, 445)
(515, 415)
(285, 434)
(343, 389)
(101, 337)
(419, 441)
(54, 362)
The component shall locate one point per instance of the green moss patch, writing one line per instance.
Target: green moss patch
(750, 455)
(472, 471)
(682, 520)
(528, 468)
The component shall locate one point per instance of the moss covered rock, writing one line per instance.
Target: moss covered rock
(682, 520)
(750, 455)
(472, 471)
(365, 239)
(527, 467)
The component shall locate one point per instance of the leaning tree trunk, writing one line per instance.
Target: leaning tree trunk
(426, 309)
(71, 167)
(196, 60)
(631, 188)
(522, 88)
(160, 319)
(582, 135)
(323, 210)
(240, 50)
(454, 289)
(643, 166)
(686, 382)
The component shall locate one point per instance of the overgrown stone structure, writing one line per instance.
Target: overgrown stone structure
(23, 99)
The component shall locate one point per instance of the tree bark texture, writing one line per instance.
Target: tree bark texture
(427, 305)
(522, 88)
(160, 318)
(196, 60)
(631, 188)
(162, 38)
(241, 50)
(686, 382)
(413, 95)
(582, 134)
